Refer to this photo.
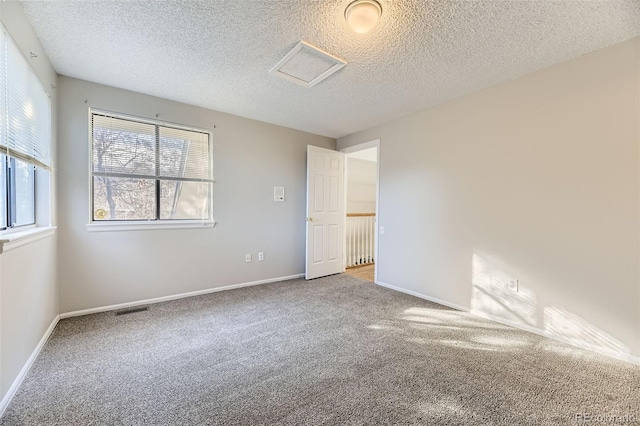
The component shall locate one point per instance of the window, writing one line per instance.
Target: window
(147, 171)
(22, 190)
(25, 137)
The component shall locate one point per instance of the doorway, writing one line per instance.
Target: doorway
(361, 206)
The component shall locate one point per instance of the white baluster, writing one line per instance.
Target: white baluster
(357, 257)
(353, 241)
(367, 253)
(346, 244)
(349, 242)
(373, 237)
(366, 239)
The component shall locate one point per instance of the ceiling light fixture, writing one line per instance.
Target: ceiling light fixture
(363, 15)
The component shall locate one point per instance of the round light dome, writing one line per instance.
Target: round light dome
(363, 15)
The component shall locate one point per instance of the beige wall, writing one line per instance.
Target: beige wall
(250, 158)
(29, 303)
(28, 288)
(536, 179)
(361, 185)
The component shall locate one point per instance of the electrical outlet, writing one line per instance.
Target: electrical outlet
(261, 256)
(247, 257)
(513, 285)
(278, 193)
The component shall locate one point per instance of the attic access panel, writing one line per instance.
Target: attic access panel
(307, 65)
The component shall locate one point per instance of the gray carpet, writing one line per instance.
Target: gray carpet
(336, 350)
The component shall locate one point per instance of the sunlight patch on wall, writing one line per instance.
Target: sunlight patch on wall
(571, 328)
(490, 294)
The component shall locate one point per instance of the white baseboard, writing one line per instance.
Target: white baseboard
(25, 369)
(424, 296)
(535, 330)
(174, 297)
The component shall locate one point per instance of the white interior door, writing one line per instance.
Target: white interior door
(325, 212)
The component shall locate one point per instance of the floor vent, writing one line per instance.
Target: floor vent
(132, 310)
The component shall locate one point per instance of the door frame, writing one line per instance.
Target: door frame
(375, 143)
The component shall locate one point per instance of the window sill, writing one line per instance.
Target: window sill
(17, 239)
(145, 226)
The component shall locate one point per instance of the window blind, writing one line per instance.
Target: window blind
(146, 170)
(25, 107)
(122, 146)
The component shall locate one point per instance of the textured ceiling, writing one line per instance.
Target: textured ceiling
(217, 54)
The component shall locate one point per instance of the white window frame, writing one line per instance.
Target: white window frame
(142, 225)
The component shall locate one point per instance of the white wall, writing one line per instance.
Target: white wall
(536, 179)
(361, 186)
(250, 158)
(28, 288)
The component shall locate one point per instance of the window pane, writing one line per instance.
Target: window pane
(24, 193)
(184, 153)
(123, 146)
(184, 200)
(3, 191)
(123, 198)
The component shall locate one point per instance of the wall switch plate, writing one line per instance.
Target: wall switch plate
(247, 257)
(261, 256)
(513, 285)
(382, 230)
(278, 193)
